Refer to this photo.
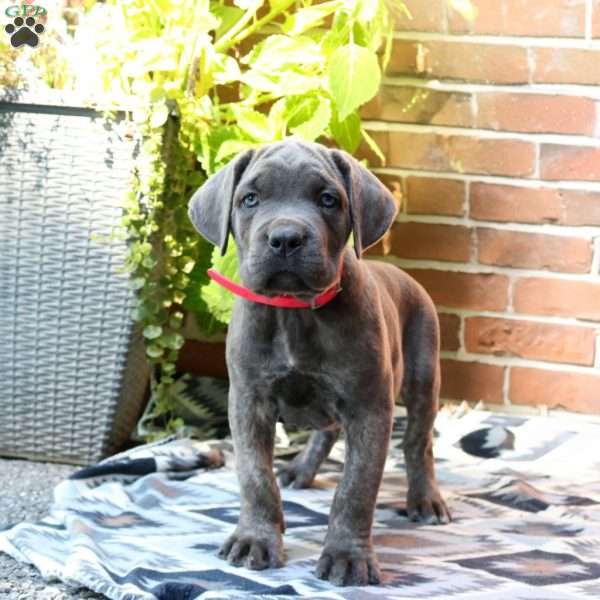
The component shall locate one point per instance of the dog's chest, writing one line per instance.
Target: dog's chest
(303, 399)
(302, 381)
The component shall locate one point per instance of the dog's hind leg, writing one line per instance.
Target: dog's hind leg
(420, 392)
(301, 471)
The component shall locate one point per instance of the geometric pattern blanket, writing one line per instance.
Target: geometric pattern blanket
(524, 493)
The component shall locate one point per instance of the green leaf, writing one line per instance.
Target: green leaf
(211, 144)
(168, 367)
(313, 127)
(279, 52)
(137, 283)
(309, 17)
(354, 77)
(338, 35)
(228, 16)
(226, 69)
(368, 10)
(230, 147)
(281, 84)
(174, 341)
(176, 320)
(152, 332)
(154, 351)
(219, 300)
(255, 124)
(347, 132)
(279, 4)
(159, 116)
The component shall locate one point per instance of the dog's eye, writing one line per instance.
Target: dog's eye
(328, 201)
(250, 200)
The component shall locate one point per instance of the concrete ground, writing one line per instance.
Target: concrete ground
(25, 495)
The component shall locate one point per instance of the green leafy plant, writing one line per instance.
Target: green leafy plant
(204, 80)
(208, 80)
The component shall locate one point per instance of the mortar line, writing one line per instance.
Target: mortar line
(588, 20)
(582, 232)
(587, 186)
(515, 361)
(465, 313)
(481, 269)
(595, 268)
(572, 42)
(535, 88)
(491, 134)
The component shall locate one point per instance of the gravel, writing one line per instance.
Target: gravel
(26, 493)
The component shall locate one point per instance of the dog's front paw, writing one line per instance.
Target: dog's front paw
(348, 567)
(253, 549)
(427, 505)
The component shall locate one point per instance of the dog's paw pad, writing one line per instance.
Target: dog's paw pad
(346, 568)
(24, 31)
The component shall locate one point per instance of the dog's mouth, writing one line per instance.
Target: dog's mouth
(289, 283)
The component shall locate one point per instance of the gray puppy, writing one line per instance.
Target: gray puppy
(291, 208)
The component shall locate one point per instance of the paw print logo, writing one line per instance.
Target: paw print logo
(24, 32)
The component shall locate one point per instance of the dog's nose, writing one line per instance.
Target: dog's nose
(285, 240)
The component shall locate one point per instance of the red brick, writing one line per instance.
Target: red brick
(565, 65)
(454, 289)
(472, 381)
(420, 105)
(418, 151)
(449, 329)
(509, 203)
(554, 18)
(562, 161)
(433, 196)
(430, 241)
(494, 156)
(529, 339)
(545, 296)
(460, 153)
(580, 207)
(460, 60)
(428, 16)
(574, 391)
(534, 251)
(542, 113)
(404, 59)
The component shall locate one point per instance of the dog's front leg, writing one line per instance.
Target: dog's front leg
(348, 557)
(257, 541)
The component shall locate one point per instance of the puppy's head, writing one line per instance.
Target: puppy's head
(291, 207)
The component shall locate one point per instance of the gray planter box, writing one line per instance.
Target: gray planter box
(73, 375)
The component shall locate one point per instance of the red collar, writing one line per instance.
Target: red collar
(283, 301)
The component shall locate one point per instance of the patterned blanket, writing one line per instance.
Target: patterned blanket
(524, 492)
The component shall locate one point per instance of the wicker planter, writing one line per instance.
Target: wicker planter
(73, 375)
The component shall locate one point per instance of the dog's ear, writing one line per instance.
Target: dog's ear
(372, 206)
(210, 207)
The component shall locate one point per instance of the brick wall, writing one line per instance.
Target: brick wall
(491, 131)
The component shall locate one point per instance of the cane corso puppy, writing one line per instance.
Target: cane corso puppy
(364, 333)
